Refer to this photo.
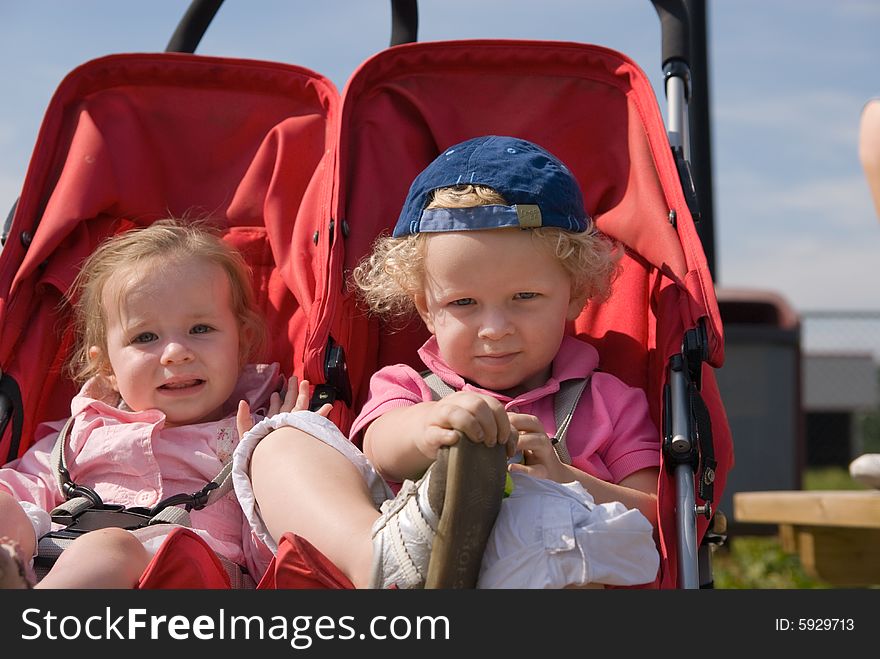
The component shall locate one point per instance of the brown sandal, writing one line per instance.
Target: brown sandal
(475, 480)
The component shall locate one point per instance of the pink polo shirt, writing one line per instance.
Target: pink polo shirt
(131, 458)
(610, 437)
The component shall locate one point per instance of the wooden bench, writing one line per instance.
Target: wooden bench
(835, 533)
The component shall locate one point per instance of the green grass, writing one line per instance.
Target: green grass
(829, 478)
(759, 561)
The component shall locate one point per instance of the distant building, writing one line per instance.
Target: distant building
(838, 387)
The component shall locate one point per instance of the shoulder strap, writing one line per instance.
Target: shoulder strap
(439, 389)
(81, 496)
(564, 404)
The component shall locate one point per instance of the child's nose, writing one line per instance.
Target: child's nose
(495, 325)
(176, 352)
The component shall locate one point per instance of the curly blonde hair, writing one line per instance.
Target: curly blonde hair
(391, 277)
(163, 242)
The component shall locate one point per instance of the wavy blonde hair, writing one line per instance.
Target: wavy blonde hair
(162, 242)
(391, 277)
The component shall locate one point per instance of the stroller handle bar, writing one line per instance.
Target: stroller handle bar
(192, 26)
(675, 30)
(195, 22)
(674, 25)
(673, 14)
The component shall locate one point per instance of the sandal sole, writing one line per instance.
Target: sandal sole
(475, 478)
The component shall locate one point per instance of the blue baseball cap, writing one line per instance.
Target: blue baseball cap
(540, 189)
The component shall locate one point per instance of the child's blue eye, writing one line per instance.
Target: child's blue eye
(526, 296)
(201, 329)
(463, 302)
(145, 337)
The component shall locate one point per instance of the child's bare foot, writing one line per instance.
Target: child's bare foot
(13, 574)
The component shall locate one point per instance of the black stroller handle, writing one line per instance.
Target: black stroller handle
(405, 26)
(674, 27)
(192, 26)
(404, 21)
(195, 22)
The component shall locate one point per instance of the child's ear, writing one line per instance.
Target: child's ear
(422, 308)
(576, 304)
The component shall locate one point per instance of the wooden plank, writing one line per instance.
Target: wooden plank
(850, 509)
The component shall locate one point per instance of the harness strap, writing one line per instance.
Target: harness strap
(224, 485)
(80, 498)
(439, 389)
(171, 515)
(72, 507)
(564, 404)
(70, 489)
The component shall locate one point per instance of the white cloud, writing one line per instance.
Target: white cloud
(868, 10)
(815, 241)
(746, 196)
(824, 117)
(811, 273)
(837, 201)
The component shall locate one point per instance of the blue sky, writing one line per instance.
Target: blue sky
(788, 80)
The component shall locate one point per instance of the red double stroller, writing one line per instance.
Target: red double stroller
(302, 179)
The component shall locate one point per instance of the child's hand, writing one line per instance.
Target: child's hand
(296, 399)
(480, 418)
(539, 457)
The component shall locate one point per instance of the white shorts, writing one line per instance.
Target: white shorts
(552, 535)
(321, 429)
